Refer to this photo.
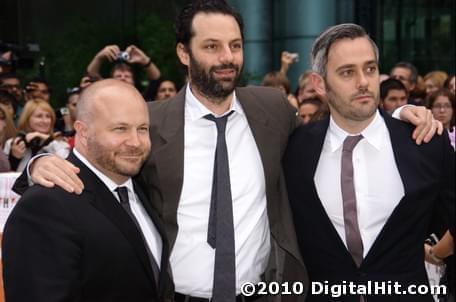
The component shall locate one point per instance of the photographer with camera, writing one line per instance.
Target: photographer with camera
(123, 59)
(36, 135)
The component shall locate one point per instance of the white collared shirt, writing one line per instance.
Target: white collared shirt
(378, 185)
(192, 259)
(148, 229)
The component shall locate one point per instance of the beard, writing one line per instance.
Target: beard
(113, 159)
(215, 90)
(348, 108)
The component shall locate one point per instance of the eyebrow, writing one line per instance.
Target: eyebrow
(347, 66)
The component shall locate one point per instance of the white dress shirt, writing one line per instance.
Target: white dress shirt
(378, 185)
(192, 259)
(148, 229)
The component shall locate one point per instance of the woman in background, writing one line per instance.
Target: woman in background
(36, 135)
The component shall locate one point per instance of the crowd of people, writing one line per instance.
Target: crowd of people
(189, 195)
(402, 86)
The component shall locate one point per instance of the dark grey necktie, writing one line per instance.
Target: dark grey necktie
(220, 233)
(125, 202)
(352, 233)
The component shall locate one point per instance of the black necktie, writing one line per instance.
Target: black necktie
(125, 202)
(220, 233)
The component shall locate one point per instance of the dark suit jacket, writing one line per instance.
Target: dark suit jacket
(271, 120)
(427, 172)
(59, 246)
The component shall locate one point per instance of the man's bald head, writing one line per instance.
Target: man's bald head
(102, 95)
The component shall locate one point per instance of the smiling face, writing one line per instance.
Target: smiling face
(117, 141)
(214, 57)
(40, 121)
(352, 81)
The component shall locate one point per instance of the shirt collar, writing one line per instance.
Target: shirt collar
(197, 110)
(373, 133)
(112, 186)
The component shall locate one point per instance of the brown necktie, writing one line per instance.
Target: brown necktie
(352, 233)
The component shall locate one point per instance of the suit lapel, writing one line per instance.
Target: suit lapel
(100, 197)
(168, 158)
(159, 226)
(268, 147)
(408, 164)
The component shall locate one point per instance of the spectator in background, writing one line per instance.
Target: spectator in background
(5, 61)
(434, 81)
(450, 84)
(419, 92)
(7, 103)
(309, 108)
(166, 89)
(66, 116)
(393, 95)
(7, 130)
(10, 83)
(280, 81)
(38, 88)
(408, 74)
(122, 59)
(305, 88)
(36, 135)
(441, 103)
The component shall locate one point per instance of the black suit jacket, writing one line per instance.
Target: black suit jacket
(59, 246)
(427, 172)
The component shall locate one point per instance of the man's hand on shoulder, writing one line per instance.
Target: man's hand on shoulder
(52, 170)
(422, 118)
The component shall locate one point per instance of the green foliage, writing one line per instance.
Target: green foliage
(157, 39)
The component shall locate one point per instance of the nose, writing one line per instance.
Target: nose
(133, 139)
(226, 55)
(362, 80)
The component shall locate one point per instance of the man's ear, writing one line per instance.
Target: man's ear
(182, 54)
(318, 83)
(81, 131)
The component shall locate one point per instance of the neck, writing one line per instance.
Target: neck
(352, 126)
(216, 105)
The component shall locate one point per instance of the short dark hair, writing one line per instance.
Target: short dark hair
(8, 75)
(7, 98)
(183, 26)
(121, 66)
(411, 67)
(390, 84)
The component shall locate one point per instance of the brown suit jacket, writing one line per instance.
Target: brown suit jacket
(271, 120)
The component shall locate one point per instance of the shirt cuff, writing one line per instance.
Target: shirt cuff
(30, 162)
(397, 113)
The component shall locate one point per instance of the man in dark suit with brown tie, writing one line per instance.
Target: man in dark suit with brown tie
(362, 192)
(106, 244)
